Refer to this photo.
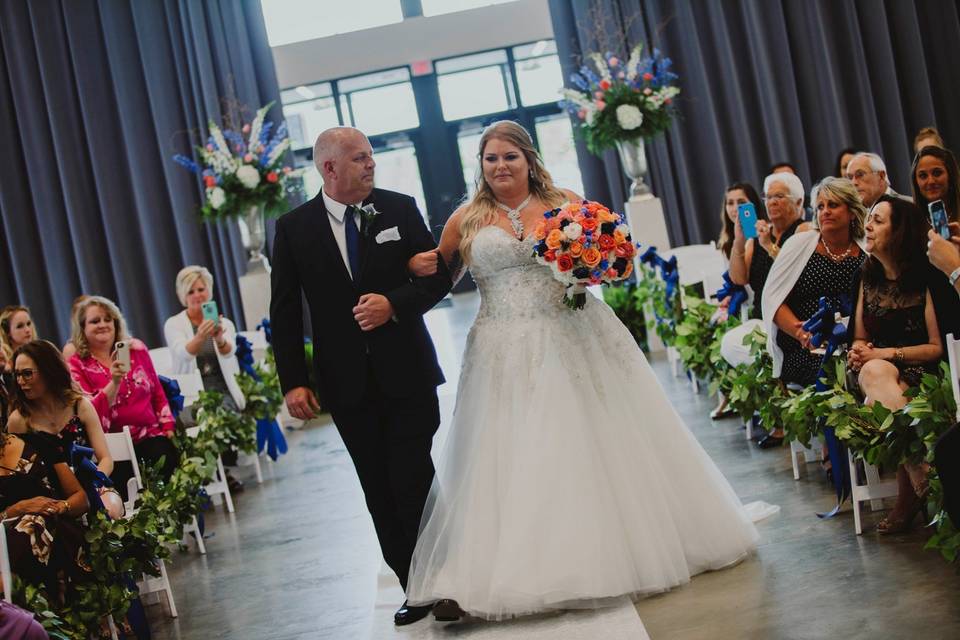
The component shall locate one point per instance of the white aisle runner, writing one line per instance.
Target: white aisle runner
(614, 623)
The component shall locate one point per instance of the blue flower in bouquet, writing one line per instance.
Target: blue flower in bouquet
(242, 169)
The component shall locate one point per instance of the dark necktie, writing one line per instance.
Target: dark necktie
(353, 241)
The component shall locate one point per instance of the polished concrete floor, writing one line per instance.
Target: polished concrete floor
(299, 560)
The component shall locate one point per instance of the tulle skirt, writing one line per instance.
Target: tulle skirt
(567, 479)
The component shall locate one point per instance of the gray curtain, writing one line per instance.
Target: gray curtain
(95, 98)
(775, 80)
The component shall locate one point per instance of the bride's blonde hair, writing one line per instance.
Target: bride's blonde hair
(481, 209)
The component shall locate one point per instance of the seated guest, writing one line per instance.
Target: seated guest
(843, 159)
(868, 174)
(782, 167)
(16, 328)
(896, 337)
(122, 397)
(205, 346)
(19, 624)
(927, 137)
(935, 177)
(40, 492)
(48, 401)
(69, 349)
(750, 261)
(813, 264)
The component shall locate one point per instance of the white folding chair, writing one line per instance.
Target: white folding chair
(953, 355)
(162, 360)
(873, 489)
(121, 448)
(258, 343)
(5, 574)
(191, 384)
(218, 486)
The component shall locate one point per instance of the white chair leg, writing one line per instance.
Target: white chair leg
(169, 591)
(201, 547)
(795, 452)
(855, 498)
(113, 628)
(226, 487)
(256, 468)
(694, 382)
(873, 478)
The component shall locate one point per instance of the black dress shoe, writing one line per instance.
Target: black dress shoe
(408, 614)
(447, 610)
(770, 441)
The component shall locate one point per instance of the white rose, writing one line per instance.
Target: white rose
(624, 229)
(248, 176)
(629, 117)
(573, 230)
(217, 197)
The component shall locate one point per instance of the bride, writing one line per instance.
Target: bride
(567, 479)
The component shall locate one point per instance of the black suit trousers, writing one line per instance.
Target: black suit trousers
(389, 440)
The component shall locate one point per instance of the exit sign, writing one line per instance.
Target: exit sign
(421, 68)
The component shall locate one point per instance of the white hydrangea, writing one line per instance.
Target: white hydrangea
(629, 117)
(248, 176)
(573, 230)
(217, 197)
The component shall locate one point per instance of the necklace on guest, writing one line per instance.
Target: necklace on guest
(832, 255)
(514, 215)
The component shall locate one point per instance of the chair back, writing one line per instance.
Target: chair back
(191, 384)
(6, 575)
(162, 361)
(699, 263)
(121, 449)
(953, 354)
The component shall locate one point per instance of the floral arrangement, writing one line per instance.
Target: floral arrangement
(584, 243)
(620, 101)
(244, 169)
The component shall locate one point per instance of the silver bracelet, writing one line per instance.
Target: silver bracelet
(954, 276)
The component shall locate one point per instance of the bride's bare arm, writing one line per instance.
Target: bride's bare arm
(425, 264)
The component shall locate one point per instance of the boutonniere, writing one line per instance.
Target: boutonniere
(369, 214)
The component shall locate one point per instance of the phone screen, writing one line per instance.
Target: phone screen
(748, 219)
(938, 219)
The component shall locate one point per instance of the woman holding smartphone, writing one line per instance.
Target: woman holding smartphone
(115, 370)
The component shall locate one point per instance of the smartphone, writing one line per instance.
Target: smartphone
(938, 219)
(748, 219)
(210, 311)
(122, 349)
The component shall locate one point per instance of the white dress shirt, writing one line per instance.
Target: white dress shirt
(335, 213)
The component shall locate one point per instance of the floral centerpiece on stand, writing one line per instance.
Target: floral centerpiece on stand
(620, 104)
(244, 176)
(584, 243)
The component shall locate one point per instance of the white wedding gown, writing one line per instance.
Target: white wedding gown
(567, 479)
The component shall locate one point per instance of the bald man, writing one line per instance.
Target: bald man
(346, 253)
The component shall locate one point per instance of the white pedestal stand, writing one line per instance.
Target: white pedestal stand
(649, 228)
(255, 293)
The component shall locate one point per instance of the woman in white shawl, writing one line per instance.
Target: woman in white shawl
(812, 264)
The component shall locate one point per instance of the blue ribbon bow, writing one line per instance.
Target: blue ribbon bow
(269, 433)
(736, 293)
(267, 331)
(171, 389)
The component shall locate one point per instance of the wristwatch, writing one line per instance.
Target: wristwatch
(954, 276)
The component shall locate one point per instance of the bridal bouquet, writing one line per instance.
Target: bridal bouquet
(617, 101)
(584, 243)
(242, 169)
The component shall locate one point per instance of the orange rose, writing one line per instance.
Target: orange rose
(589, 224)
(576, 249)
(552, 223)
(540, 231)
(606, 242)
(618, 237)
(565, 262)
(591, 257)
(625, 250)
(550, 255)
(606, 216)
(554, 239)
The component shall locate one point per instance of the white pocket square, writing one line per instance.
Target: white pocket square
(388, 235)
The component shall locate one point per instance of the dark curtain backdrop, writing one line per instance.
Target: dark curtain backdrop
(773, 80)
(95, 98)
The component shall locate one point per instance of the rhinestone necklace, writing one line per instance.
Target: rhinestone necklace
(514, 216)
(832, 255)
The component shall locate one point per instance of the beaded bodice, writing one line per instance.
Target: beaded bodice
(512, 284)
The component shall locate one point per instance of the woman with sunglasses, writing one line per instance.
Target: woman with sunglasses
(47, 401)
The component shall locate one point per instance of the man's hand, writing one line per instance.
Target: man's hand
(944, 254)
(372, 311)
(302, 403)
(423, 264)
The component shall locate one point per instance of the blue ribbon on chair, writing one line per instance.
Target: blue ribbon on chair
(827, 332)
(171, 389)
(671, 276)
(736, 293)
(91, 478)
(269, 433)
(267, 331)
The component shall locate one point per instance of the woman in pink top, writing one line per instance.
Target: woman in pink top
(122, 397)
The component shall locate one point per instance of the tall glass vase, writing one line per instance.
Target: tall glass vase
(253, 235)
(633, 157)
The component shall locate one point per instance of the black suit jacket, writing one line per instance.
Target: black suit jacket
(306, 258)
